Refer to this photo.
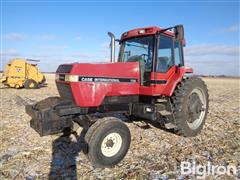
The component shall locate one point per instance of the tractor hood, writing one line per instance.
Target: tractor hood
(107, 70)
(87, 84)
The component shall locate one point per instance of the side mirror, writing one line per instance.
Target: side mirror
(179, 32)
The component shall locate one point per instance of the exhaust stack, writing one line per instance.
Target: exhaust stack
(112, 46)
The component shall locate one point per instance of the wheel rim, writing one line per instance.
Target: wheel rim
(111, 144)
(194, 121)
(31, 85)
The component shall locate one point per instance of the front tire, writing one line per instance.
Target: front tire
(108, 142)
(190, 106)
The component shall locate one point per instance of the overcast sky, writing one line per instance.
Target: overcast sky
(63, 32)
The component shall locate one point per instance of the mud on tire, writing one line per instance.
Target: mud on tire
(190, 101)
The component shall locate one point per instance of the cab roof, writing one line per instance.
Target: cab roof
(151, 30)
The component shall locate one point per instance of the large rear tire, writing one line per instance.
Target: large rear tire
(190, 106)
(108, 142)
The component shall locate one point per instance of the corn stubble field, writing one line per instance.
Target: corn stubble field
(154, 153)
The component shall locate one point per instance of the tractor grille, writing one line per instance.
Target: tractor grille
(64, 68)
(65, 91)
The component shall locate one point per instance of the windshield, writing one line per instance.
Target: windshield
(138, 49)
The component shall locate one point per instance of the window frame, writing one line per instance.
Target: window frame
(181, 59)
(120, 54)
(157, 48)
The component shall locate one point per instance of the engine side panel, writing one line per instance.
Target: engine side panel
(96, 81)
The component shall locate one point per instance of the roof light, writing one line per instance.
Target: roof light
(149, 30)
(142, 31)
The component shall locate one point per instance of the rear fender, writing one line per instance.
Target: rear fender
(175, 79)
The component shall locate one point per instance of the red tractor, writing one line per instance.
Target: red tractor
(148, 81)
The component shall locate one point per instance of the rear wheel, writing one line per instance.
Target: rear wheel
(30, 84)
(108, 141)
(190, 106)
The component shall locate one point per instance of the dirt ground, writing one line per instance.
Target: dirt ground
(154, 153)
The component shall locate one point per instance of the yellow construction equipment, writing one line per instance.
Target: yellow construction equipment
(19, 73)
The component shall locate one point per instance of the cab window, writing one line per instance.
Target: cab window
(165, 58)
(139, 49)
(178, 54)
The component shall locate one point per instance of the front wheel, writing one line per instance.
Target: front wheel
(190, 106)
(108, 142)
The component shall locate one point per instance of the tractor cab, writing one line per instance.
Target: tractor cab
(160, 56)
(157, 50)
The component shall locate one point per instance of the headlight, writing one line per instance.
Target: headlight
(71, 78)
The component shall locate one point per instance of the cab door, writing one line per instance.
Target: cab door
(169, 67)
(165, 63)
